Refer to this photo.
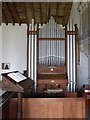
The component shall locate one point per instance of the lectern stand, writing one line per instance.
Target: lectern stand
(19, 102)
(8, 84)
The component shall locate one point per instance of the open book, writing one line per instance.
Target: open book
(17, 76)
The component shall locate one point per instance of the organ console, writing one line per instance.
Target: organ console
(52, 78)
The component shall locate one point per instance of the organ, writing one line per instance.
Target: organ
(51, 64)
(51, 56)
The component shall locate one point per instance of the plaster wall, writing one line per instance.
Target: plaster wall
(14, 43)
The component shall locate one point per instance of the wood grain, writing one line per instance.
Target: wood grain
(50, 108)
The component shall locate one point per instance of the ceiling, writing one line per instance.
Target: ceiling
(24, 12)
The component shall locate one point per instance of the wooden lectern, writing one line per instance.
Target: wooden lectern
(10, 84)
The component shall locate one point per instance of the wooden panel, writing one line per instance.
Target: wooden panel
(55, 110)
(5, 110)
(32, 110)
(51, 83)
(9, 84)
(47, 70)
(72, 94)
(13, 108)
(87, 98)
(52, 76)
(73, 109)
(51, 108)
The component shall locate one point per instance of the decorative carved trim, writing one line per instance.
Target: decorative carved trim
(51, 38)
(33, 32)
(71, 32)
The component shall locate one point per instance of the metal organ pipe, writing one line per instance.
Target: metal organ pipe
(51, 43)
(52, 26)
(35, 60)
(68, 67)
(58, 33)
(47, 46)
(32, 51)
(29, 58)
(71, 58)
(74, 63)
(40, 47)
(51, 49)
(71, 61)
(32, 71)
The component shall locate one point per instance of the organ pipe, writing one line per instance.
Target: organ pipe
(32, 69)
(68, 63)
(32, 51)
(53, 51)
(35, 60)
(74, 61)
(71, 58)
(29, 63)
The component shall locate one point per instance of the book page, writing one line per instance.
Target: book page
(17, 76)
(2, 92)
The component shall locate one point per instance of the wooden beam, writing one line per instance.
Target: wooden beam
(41, 13)
(25, 12)
(66, 12)
(58, 17)
(48, 11)
(14, 6)
(3, 15)
(57, 11)
(7, 4)
(0, 13)
(33, 13)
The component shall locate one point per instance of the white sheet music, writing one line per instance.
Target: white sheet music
(2, 92)
(17, 76)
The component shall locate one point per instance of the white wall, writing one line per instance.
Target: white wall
(82, 68)
(75, 15)
(0, 49)
(0, 63)
(14, 46)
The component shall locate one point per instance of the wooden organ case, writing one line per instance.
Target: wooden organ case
(52, 57)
